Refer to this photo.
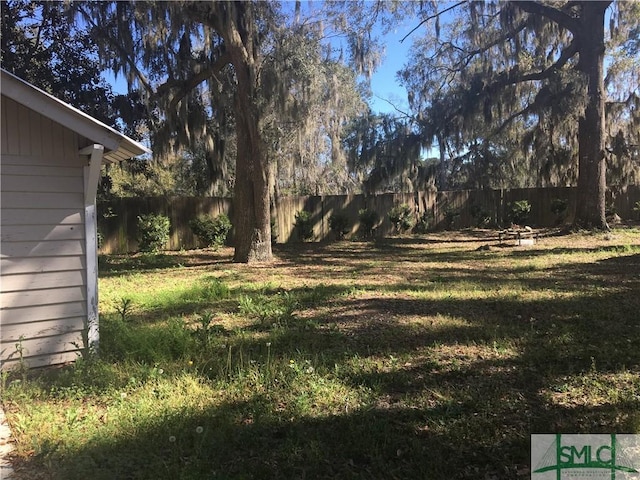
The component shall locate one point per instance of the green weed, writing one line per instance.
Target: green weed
(269, 310)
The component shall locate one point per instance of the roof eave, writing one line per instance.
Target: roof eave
(118, 147)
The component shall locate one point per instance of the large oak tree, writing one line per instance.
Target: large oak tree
(190, 60)
(534, 66)
(202, 66)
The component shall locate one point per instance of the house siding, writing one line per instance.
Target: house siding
(43, 306)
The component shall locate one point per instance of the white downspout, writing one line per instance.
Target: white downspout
(91, 178)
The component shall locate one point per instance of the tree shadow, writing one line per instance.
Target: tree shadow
(367, 324)
(448, 400)
(120, 264)
(257, 439)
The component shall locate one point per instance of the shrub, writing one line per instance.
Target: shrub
(212, 231)
(401, 216)
(368, 220)
(339, 224)
(304, 225)
(153, 232)
(519, 211)
(481, 216)
(424, 223)
(450, 217)
(559, 208)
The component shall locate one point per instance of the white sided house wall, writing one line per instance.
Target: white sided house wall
(49, 172)
(43, 250)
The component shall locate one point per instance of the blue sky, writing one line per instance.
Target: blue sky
(384, 85)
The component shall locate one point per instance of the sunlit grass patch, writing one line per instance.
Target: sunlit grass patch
(595, 388)
(163, 294)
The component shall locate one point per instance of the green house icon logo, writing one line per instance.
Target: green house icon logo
(578, 457)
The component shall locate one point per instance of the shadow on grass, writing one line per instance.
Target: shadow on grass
(573, 329)
(568, 336)
(483, 434)
(116, 265)
(250, 440)
(460, 402)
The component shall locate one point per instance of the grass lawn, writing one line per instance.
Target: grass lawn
(418, 357)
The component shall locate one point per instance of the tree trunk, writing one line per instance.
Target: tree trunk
(443, 170)
(252, 219)
(251, 211)
(590, 210)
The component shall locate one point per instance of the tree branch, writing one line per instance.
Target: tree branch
(435, 15)
(558, 16)
(188, 84)
(506, 36)
(529, 108)
(36, 43)
(512, 77)
(395, 107)
(124, 55)
(230, 31)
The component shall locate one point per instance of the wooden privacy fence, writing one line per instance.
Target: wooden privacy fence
(117, 219)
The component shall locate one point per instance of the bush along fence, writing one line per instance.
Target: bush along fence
(319, 218)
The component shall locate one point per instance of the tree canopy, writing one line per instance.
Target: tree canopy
(41, 46)
(213, 72)
(522, 83)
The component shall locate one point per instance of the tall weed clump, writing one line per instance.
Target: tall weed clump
(153, 232)
(164, 342)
